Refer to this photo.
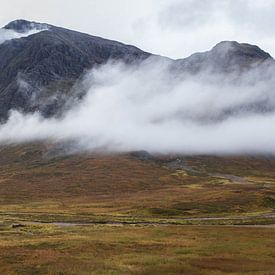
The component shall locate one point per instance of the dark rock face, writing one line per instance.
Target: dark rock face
(51, 59)
(225, 57)
(37, 72)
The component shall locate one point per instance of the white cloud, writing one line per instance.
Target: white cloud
(10, 34)
(146, 107)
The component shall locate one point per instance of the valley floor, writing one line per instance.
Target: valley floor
(134, 213)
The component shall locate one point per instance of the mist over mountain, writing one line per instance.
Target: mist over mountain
(64, 85)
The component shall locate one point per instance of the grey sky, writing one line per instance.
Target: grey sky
(174, 28)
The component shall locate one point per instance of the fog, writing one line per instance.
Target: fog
(148, 107)
(11, 34)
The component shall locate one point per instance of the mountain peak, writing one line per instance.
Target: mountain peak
(45, 65)
(22, 26)
(241, 49)
(226, 56)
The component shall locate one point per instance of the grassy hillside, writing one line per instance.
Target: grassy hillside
(122, 213)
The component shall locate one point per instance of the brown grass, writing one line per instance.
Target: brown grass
(37, 184)
(136, 250)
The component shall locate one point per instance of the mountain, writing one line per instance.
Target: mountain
(38, 71)
(226, 56)
(51, 59)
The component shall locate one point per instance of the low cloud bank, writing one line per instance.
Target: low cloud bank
(147, 107)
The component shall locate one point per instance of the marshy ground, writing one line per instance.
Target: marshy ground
(133, 214)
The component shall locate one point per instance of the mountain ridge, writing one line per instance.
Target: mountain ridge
(53, 59)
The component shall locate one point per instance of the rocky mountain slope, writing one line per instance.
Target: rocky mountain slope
(37, 72)
(226, 56)
(52, 59)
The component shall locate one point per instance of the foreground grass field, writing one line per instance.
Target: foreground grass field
(101, 249)
(134, 213)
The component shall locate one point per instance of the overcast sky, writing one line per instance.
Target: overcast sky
(175, 28)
